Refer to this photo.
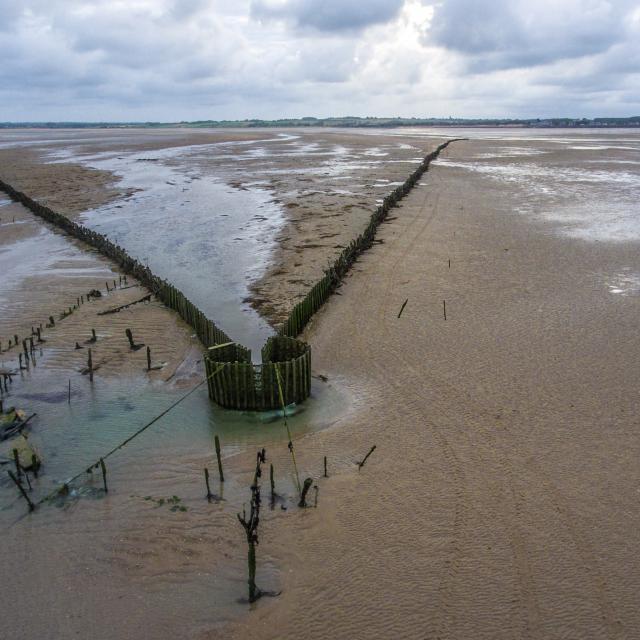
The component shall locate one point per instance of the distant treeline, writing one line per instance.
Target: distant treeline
(348, 121)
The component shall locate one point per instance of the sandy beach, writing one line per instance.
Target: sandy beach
(501, 499)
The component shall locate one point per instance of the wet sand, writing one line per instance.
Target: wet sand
(501, 501)
(46, 273)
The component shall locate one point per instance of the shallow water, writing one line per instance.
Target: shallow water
(589, 191)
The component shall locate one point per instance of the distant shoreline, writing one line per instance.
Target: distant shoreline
(348, 122)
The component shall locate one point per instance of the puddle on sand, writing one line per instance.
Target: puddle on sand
(625, 283)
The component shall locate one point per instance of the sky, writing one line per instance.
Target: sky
(173, 60)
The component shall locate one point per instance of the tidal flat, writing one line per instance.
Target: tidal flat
(504, 475)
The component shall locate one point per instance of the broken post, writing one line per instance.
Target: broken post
(250, 526)
(217, 441)
(305, 489)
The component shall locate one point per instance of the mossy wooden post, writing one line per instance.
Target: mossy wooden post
(217, 442)
(250, 526)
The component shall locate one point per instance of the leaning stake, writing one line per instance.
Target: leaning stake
(404, 304)
(22, 491)
(361, 464)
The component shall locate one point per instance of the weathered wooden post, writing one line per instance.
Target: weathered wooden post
(217, 441)
(444, 308)
(273, 484)
(104, 475)
(206, 479)
(250, 526)
(16, 460)
(90, 366)
(305, 489)
(148, 358)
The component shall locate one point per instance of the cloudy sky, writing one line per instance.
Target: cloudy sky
(212, 59)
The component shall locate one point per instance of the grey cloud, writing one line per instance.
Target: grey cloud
(328, 15)
(507, 34)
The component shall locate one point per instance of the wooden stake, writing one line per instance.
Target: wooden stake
(325, 467)
(90, 365)
(444, 308)
(217, 442)
(148, 359)
(206, 479)
(305, 489)
(16, 460)
(69, 396)
(404, 304)
(361, 464)
(273, 484)
(104, 475)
